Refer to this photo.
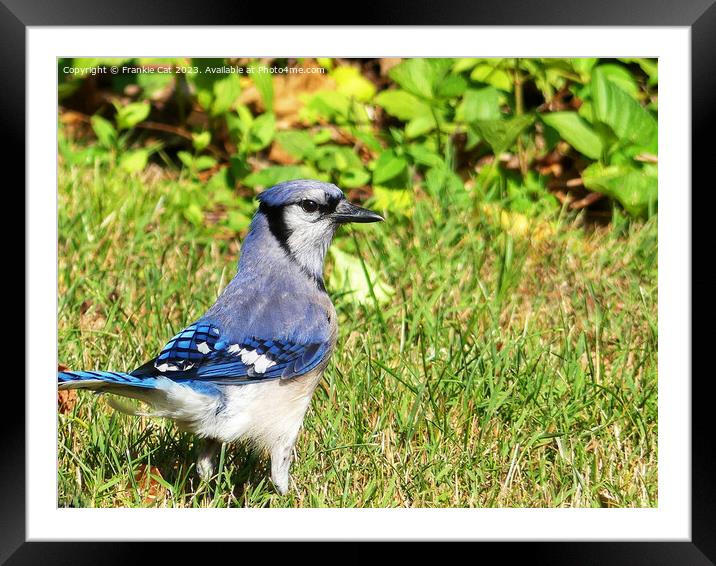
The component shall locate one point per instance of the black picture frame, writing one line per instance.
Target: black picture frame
(698, 15)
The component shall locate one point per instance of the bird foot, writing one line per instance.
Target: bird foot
(205, 461)
(280, 466)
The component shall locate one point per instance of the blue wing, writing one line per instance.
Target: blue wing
(188, 348)
(200, 353)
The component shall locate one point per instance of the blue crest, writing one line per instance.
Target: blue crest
(292, 191)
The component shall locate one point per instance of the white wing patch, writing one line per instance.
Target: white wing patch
(171, 367)
(263, 363)
(260, 362)
(249, 357)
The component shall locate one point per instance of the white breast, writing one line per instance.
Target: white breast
(265, 413)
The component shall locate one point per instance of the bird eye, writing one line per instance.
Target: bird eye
(309, 205)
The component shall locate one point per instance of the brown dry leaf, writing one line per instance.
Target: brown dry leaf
(149, 488)
(71, 117)
(550, 169)
(289, 88)
(287, 92)
(280, 155)
(607, 499)
(67, 398)
(91, 317)
(250, 95)
(387, 63)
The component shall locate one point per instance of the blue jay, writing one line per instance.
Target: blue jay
(246, 370)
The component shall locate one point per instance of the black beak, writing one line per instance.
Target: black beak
(347, 212)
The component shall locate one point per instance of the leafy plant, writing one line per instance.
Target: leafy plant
(431, 125)
(616, 131)
(113, 142)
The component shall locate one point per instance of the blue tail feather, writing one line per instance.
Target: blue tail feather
(110, 377)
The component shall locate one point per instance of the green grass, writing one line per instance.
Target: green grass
(507, 370)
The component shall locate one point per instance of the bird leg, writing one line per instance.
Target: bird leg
(281, 457)
(205, 461)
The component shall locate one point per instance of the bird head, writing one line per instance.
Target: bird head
(303, 216)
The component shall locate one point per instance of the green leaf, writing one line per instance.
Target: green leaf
(132, 114)
(491, 73)
(576, 132)
(85, 156)
(398, 201)
(261, 132)
(350, 82)
(636, 189)
(200, 141)
(239, 123)
(621, 77)
(325, 62)
(349, 276)
(298, 143)
(419, 126)
(631, 123)
(464, 64)
(583, 66)
(264, 84)
(104, 130)
(226, 91)
(322, 136)
(332, 157)
(134, 161)
(649, 66)
(451, 86)
(586, 111)
(332, 105)
(368, 139)
(153, 84)
(479, 104)
(387, 167)
(425, 154)
(219, 183)
(501, 134)
(203, 162)
(238, 166)
(402, 104)
(194, 214)
(420, 77)
(354, 177)
(186, 158)
(273, 175)
(215, 92)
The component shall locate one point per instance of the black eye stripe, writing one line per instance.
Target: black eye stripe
(277, 225)
(331, 203)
